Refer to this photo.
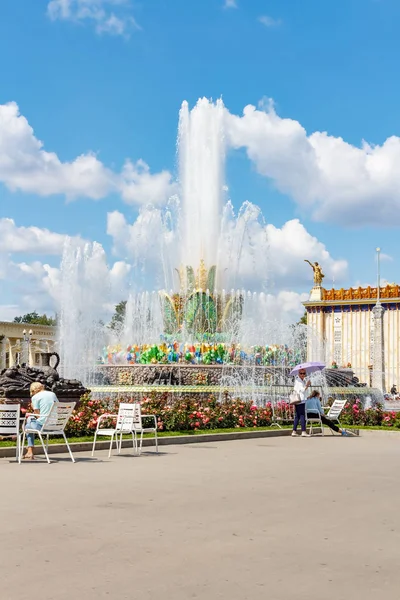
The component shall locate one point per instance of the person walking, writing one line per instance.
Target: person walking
(42, 403)
(313, 406)
(300, 388)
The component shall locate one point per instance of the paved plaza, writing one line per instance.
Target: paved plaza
(277, 518)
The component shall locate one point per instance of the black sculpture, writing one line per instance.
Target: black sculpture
(342, 378)
(162, 376)
(15, 381)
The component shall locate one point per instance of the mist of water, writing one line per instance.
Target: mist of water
(201, 149)
(84, 292)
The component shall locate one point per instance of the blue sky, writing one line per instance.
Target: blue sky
(331, 66)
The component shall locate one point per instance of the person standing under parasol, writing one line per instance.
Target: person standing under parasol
(301, 386)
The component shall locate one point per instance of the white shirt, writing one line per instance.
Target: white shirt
(300, 388)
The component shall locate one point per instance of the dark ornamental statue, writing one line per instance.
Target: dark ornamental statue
(15, 381)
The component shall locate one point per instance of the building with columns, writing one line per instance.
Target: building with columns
(24, 342)
(359, 329)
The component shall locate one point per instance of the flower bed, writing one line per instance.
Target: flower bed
(194, 414)
(182, 415)
(355, 414)
(191, 413)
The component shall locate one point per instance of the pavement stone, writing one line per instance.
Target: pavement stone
(278, 518)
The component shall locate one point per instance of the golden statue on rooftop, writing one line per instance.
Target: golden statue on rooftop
(318, 274)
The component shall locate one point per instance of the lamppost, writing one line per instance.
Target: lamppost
(27, 341)
(378, 286)
(378, 362)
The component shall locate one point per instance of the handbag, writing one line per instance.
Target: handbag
(294, 398)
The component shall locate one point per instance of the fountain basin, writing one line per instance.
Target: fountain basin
(182, 375)
(258, 383)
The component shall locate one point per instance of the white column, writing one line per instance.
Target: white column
(321, 342)
(11, 350)
(3, 350)
(316, 334)
(338, 338)
(378, 374)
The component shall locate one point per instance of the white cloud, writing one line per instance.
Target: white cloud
(9, 311)
(40, 286)
(386, 257)
(230, 4)
(31, 240)
(286, 306)
(329, 178)
(119, 270)
(269, 21)
(30, 286)
(290, 246)
(26, 166)
(139, 240)
(108, 16)
(139, 186)
(119, 280)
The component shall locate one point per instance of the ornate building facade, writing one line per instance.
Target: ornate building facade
(358, 329)
(23, 343)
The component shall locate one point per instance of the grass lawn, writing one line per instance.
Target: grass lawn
(89, 438)
(372, 427)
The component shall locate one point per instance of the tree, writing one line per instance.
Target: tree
(118, 317)
(34, 318)
(303, 320)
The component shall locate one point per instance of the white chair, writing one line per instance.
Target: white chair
(139, 428)
(54, 424)
(124, 424)
(335, 411)
(282, 411)
(9, 423)
(314, 418)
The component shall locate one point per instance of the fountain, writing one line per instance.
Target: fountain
(203, 333)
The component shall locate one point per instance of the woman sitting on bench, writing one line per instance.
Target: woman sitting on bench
(313, 406)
